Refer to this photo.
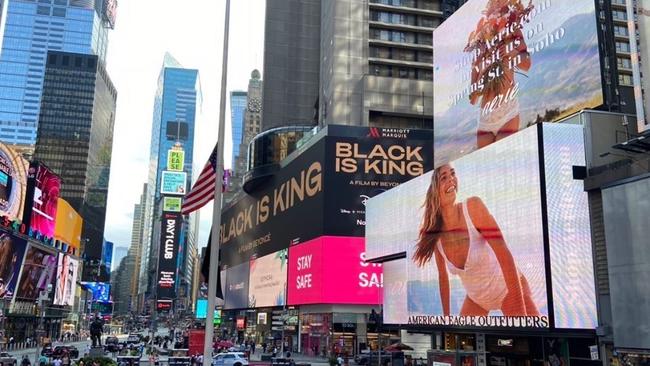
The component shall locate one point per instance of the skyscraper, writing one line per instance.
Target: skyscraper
(29, 30)
(237, 110)
(75, 140)
(177, 98)
(135, 250)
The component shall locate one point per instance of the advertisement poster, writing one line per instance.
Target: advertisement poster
(332, 270)
(268, 280)
(107, 256)
(68, 224)
(100, 291)
(172, 204)
(66, 280)
(236, 296)
(569, 228)
(509, 67)
(173, 183)
(167, 257)
(394, 292)
(13, 183)
(466, 275)
(38, 272)
(175, 160)
(363, 166)
(12, 251)
(43, 187)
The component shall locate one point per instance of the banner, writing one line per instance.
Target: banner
(66, 280)
(38, 273)
(12, 252)
(43, 189)
(236, 296)
(268, 280)
(68, 224)
(168, 255)
(175, 160)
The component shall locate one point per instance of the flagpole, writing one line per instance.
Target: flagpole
(216, 216)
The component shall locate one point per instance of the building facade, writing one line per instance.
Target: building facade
(176, 102)
(135, 250)
(29, 29)
(237, 111)
(77, 116)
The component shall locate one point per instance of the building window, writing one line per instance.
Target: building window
(619, 15)
(625, 79)
(624, 63)
(622, 47)
(621, 31)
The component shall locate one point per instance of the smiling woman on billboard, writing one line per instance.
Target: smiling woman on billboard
(466, 241)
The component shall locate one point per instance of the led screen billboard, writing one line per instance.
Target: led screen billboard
(68, 224)
(509, 67)
(173, 183)
(172, 204)
(236, 296)
(332, 270)
(107, 255)
(504, 180)
(38, 272)
(12, 252)
(13, 183)
(66, 280)
(268, 280)
(394, 292)
(43, 189)
(100, 291)
(170, 233)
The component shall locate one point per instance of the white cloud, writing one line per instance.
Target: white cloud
(192, 31)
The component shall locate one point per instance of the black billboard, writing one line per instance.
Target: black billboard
(170, 232)
(286, 209)
(323, 189)
(365, 163)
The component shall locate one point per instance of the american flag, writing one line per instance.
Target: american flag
(203, 190)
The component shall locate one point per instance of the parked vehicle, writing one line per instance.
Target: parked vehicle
(230, 359)
(7, 359)
(133, 339)
(60, 351)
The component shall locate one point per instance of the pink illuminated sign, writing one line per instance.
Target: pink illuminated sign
(332, 270)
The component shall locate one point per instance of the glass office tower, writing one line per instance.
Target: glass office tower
(237, 110)
(176, 102)
(28, 29)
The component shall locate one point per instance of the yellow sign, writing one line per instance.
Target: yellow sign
(175, 160)
(68, 224)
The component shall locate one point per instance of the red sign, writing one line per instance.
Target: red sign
(332, 270)
(241, 323)
(195, 341)
(162, 305)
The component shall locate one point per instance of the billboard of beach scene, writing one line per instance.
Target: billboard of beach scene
(511, 64)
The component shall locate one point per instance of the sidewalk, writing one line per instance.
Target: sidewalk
(297, 358)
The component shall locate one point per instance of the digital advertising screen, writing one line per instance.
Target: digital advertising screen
(236, 295)
(38, 272)
(68, 224)
(100, 291)
(43, 188)
(394, 292)
(509, 67)
(173, 183)
(13, 182)
(268, 280)
(12, 252)
(172, 204)
(201, 308)
(175, 160)
(66, 280)
(569, 228)
(333, 270)
(107, 255)
(170, 233)
(492, 244)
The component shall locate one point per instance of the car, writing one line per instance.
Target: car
(230, 359)
(7, 359)
(133, 338)
(112, 344)
(47, 350)
(60, 351)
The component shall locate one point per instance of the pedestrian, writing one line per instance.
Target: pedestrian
(25, 361)
(57, 362)
(252, 347)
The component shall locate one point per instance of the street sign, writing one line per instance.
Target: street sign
(594, 353)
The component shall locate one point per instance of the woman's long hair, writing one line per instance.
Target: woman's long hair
(431, 225)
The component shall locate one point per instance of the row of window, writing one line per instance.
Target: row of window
(401, 72)
(404, 19)
(401, 54)
(401, 36)
(419, 4)
(622, 47)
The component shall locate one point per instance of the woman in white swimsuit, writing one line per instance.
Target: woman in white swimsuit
(465, 240)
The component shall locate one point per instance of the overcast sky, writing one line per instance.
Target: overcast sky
(192, 31)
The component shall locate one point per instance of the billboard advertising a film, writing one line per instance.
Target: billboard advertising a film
(474, 238)
(66, 280)
(509, 65)
(170, 232)
(38, 272)
(13, 183)
(12, 251)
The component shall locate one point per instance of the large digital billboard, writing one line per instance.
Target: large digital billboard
(100, 291)
(107, 255)
(66, 280)
(475, 234)
(268, 280)
(43, 189)
(394, 292)
(38, 273)
(173, 183)
(68, 224)
(332, 270)
(13, 183)
(510, 66)
(12, 252)
(236, 296)
(170, 233)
